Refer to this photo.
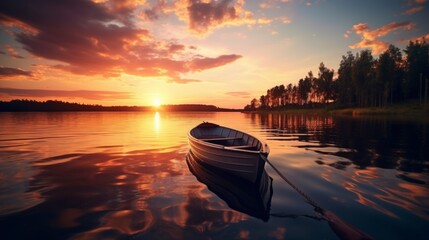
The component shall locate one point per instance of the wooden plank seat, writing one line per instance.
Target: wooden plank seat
(241, 146)
(215, 138)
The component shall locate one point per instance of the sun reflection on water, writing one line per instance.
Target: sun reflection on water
(157, 121)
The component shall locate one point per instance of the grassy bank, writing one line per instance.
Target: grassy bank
(409, 109)
(404, 109)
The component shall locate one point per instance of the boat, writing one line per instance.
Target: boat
(228, 149)
(253, 199)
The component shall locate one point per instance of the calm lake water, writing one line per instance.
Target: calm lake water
(114, 175)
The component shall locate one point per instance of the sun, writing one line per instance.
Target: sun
(156, 102)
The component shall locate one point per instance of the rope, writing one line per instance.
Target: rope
(341, 228)
(317, 207)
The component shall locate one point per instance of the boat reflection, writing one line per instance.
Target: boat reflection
(253, 199)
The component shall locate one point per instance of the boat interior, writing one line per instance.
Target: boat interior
(226, 137)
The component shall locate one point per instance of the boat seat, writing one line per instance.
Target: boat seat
(218, 138)
(241, 146)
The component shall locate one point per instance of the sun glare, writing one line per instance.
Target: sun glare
(156, 102)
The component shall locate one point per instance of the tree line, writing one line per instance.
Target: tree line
(25, 105)
(361, 81)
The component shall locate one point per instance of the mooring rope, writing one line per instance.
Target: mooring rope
(317, 207)
(341, 228)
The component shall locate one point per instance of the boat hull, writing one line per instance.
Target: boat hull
(246, 164)
(253, 199)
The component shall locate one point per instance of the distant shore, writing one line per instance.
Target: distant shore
(60, 106)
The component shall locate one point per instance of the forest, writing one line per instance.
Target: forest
(361, 81)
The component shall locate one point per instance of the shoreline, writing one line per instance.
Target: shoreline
(403, 109)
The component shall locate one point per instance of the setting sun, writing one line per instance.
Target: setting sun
(156, 102)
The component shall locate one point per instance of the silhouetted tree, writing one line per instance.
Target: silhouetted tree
(362, 80)
(389, 73)
(363, 77)
(417, 67)
(346, 87)
(326, 83)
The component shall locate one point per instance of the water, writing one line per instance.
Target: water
(120, 175)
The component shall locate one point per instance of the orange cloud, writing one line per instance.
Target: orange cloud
(420, 38)
(101, 41)
(370, 38)
(85, 94)
(264, 20)
(239, 94)
(272, 3)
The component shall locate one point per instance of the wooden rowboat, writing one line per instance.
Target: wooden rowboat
(253, 199)
(231, 150)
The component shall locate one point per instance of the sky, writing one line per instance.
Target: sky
(224, 52)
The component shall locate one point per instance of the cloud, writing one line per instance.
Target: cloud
(285, 20)
(370, 38)
(264, 20)
(12, 72)
(85, 94)
(272, 3)
(182, 80)
(347, 34)
(90, 38)
(420, 38)
(13, 52)
(239, 94)
(199, 64)
(202, 17)
(412, 10)
(205, 15)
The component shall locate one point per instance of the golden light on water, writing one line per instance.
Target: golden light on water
(157, 121)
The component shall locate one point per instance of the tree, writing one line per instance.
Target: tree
(417, 68)
(346, 87)
(363, 78)
(388, 75)
(262, 102)
(254, 104)
(325, 82)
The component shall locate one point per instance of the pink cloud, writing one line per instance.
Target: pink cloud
(13, 52)
(93, 38)
(199, 64)
(413, 10)
(370, 38)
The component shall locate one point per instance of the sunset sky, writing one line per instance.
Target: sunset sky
(224, 52)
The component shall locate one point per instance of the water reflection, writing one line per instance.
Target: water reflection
(253, 199)
(157, 121)
(382, 162)
(118, 175)
(379, 142)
